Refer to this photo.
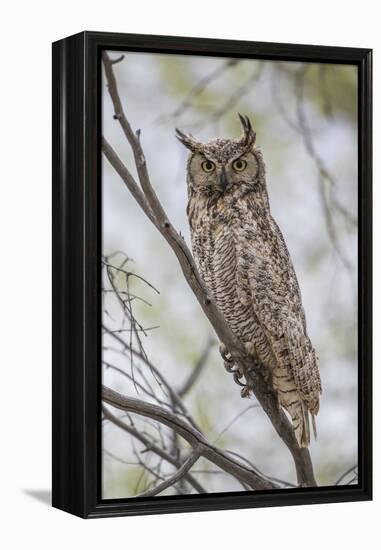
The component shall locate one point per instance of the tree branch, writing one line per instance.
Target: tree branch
(174, 396)
(154, 210)
(192, 436)
(244, 89)
(196, 371)
(201, 85)
(177, 476)
(346, 473)
(150, 446)
(323, 173)
(127, 177)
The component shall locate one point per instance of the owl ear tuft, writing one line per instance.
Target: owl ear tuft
(188, 140)
(248, 138)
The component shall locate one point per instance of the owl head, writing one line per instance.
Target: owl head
(224, 166)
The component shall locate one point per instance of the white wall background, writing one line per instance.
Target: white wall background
(27, 29)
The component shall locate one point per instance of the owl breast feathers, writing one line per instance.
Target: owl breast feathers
(244, 261)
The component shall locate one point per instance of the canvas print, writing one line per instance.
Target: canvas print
(229, 275)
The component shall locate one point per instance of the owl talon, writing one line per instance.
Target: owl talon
(225, 354)
(230, 367)
(237, 375)
(245, 392)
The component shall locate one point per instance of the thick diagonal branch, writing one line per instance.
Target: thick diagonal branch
(154, 210)
(195, 438)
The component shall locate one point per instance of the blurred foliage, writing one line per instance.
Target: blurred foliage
(333, 89)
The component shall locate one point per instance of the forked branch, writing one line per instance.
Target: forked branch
(199, 444)
(151, 446)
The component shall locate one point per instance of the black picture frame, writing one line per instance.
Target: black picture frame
(76, 273)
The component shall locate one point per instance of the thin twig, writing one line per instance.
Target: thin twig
(117, 60)
(149, 445)
(323, 173)
(177, 476)
(201, 85)
(158, 376)
(197, 369)
(234, 98)
(346, 473)
(237, 417)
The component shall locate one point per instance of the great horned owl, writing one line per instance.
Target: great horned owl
(243, 259)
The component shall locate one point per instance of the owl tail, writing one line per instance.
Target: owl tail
(300, 414)
(296, 407)
(302, 425)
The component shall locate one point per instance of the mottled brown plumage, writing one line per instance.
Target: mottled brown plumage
(243, 258)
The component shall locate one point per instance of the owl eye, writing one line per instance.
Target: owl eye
(239, 165)
(208, 166)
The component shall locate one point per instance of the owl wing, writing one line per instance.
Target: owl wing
(268, 277)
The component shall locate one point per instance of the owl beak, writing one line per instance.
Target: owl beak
(223, 181)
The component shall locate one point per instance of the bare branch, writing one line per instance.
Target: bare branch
(256, 469)
(118, 459)
(117, 60)
(244, 89)
(323, 173)
(327, 106)
(326, 181)
(197, 369)
(175, 398)
(130, 274)
(125, 302)
(201, 85)
(128, 179)
(237, 417)
(137, 384)
(346, 473)
(177, 476)
(150, 446)
(195, 438)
